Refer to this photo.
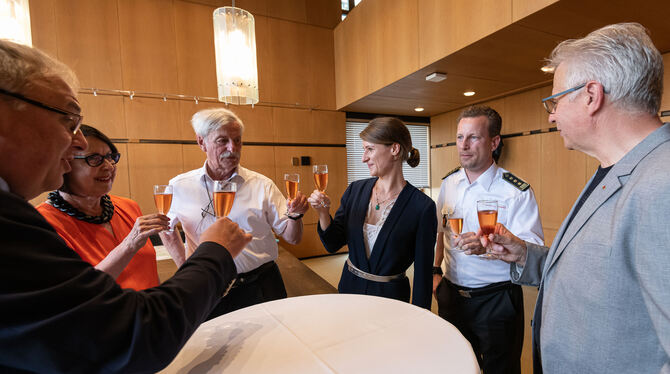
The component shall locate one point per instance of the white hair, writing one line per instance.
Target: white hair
(21, 65)
(208, 120)
(622, 58)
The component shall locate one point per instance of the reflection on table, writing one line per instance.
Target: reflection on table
(327, 334)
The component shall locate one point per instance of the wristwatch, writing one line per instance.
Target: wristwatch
(295, 218)
(437, 270)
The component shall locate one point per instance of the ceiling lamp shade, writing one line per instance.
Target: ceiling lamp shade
(15, 21)
(235, 46)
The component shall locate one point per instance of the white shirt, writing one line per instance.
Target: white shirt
(371, 231)
(259, 208)
(517, 210)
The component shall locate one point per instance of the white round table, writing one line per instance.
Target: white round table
(334, 333)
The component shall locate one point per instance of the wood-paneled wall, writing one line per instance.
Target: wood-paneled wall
(382, 41)
(167, 47)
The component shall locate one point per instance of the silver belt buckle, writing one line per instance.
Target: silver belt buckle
(464, 293)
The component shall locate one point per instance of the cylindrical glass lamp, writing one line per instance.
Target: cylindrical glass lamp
(235, 45)
(15, 21)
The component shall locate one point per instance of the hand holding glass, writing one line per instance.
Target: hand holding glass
(455, 221)
(292, 182)
(163, 198)
(487, 212)
(224, 196)
(321, 179)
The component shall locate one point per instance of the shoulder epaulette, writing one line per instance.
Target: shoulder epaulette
(516, 181)
(457, 168)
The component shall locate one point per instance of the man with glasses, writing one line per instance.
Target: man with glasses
(59, 314)
(604, 302)
(259, 208)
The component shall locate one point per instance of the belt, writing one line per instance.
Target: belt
(474, 292)
(376, 278)
(252, 276)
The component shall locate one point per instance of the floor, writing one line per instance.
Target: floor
(330, 268)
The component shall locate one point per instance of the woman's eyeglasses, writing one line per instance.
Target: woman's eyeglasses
(97, 159)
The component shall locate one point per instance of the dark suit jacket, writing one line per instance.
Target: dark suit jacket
(408, 235)
(59, 314)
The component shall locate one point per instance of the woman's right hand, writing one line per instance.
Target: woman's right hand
(319, 202)
(144, 227)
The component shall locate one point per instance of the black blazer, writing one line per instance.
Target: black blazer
(59, 314)
(408, 235)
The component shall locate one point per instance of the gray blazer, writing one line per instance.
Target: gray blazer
(605, 281)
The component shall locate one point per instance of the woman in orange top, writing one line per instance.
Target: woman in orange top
(109, 232)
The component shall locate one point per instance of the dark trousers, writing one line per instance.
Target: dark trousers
(491, 321)
(257, 286)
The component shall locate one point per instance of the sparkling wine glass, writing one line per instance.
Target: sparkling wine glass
(163, 198)
(487, 213)
(224, 196)
(321, 179)
(292, 182)
(454, 219)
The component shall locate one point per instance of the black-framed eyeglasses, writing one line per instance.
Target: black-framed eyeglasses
(96, 159)
(551, 102)
(73, 119)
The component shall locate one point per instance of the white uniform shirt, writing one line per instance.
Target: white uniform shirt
(517, 210)
(259, 208)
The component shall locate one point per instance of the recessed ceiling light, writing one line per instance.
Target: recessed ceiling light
(418, 109)
(469, 93)
(436, 77)
(547, 69)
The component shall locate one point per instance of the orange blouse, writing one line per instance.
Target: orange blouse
(93, 242)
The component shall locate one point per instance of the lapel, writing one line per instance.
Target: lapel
(394, 216)
(613, 181)
(358, 220)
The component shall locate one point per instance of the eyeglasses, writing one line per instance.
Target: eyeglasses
(96, 159)
(551, 102)
(73, 119)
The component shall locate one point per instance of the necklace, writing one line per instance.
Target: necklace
(57, 201)
(383, 201)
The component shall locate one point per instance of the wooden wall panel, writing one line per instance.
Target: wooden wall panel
(392, 26)
(443, 128)
(192, 157)
(442, 160)
(321, 65)
(441, 24)
(292, 125)
(352, 41)
(665, 101)
(259, 159)
(121, 185)
(288, 53)
(148, 45)
(105, 113)
(151, 164)
(562, 179)
(88, 41)
(519, 156)
(524, 112)
(324, 13)
(329, 127)
(43, 26)
(264, 60)
(152, 118)
(290, 10)
(195, 49)
(258, 124)
(523, 8)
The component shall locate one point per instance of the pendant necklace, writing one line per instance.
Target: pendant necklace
(383, 201)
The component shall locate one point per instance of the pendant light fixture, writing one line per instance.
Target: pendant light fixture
(235, 46)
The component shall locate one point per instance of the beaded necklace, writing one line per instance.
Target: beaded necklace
(57, 201)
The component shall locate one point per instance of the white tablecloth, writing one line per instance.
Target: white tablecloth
(327, 334)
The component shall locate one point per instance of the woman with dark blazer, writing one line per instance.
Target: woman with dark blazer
(387, 223)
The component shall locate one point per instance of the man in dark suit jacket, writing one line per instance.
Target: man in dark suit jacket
(604, 300)
(59, 314)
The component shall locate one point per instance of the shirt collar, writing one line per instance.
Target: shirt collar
(487, 177)
(239, 175)
(3, 185)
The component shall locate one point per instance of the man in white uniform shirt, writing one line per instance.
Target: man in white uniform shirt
(476, 294)
(259, 208)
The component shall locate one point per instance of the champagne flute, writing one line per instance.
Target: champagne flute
(487, 213)
(163, 198)
(455, 220)
(321, 179)
(224, 196)
(292, 181)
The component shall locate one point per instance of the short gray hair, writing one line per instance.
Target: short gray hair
(622, 58)
(21, 65)
(208, 120)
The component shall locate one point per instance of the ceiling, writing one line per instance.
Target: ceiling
(509, 60)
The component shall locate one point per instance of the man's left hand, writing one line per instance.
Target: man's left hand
(299, 205)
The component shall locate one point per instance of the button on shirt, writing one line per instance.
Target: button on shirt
(259, 208)
(517, 210)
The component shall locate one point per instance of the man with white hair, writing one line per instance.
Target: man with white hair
(604, 297)
(58, 314)
(259, 208)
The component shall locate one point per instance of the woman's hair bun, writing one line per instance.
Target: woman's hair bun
(414, 158)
